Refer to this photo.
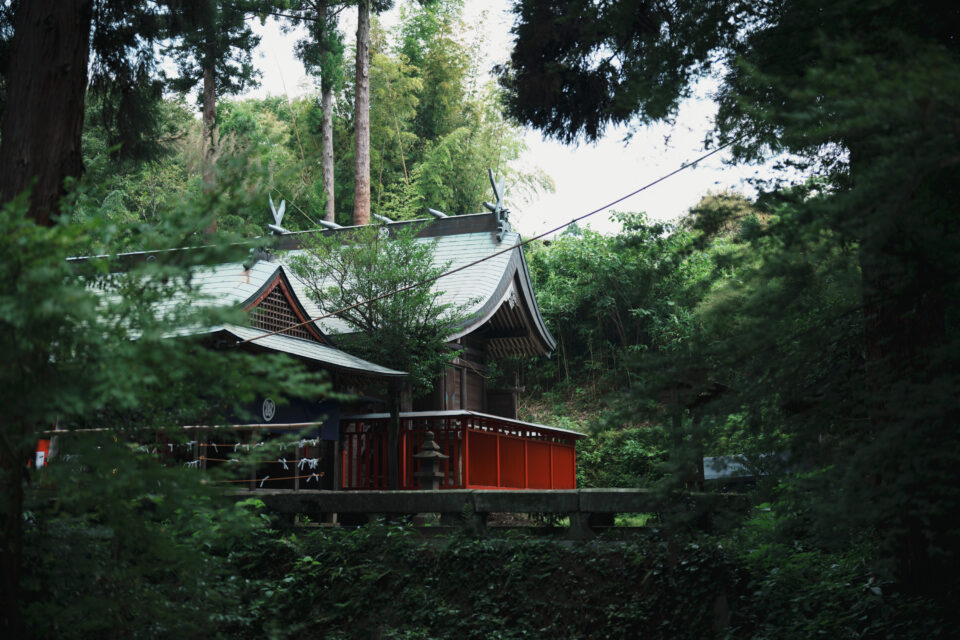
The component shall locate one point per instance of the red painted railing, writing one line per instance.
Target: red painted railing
(485, 452)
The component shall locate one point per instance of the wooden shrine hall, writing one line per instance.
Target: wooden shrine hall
(475, 424)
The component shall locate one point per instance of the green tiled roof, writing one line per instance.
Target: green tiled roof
(473, 286)
(308, 350)
(481, 287)
(458, 240)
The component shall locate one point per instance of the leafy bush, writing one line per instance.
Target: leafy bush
(380, 581)
(620, 458)
(792, 590)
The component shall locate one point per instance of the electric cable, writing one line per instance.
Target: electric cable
(495, 254)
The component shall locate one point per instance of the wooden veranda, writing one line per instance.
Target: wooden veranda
(484, 451)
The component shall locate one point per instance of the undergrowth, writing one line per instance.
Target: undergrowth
(385, 582)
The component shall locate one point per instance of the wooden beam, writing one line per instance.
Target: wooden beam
(500, 334)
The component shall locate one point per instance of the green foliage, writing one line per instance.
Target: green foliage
(628, 457)
(795, 590)
(93, 343)
(431, 125)
(518, 588)
(431, 39)
(127, 547)
(406, 331)
(125, 85)
(578, 66)
(607, 298)
(129, 192)
(322, 50)
(429, 74)
(213, 34)
(830, 336)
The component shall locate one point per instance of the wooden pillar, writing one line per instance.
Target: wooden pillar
(526, 478)
(466, 455)
(498, 458)
(550, 463)
(337, 465)
(296, 467)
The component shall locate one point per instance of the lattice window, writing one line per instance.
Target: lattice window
(274, 313)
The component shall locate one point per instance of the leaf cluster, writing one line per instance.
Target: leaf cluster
(379, 285)
(511, 588)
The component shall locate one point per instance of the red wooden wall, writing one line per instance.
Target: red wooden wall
(484, 453)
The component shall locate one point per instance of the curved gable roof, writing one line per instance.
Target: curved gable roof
(276, 306)
(484, 288)
(497, 292)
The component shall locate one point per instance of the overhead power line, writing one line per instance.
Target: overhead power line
(428, 281)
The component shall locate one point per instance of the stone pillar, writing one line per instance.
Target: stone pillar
(429, 457)
(580, 528)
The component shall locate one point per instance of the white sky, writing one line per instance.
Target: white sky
(587, 176)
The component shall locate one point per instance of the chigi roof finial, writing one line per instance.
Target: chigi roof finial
(277, 216)
(502, 213)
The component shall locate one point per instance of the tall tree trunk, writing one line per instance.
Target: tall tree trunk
(46, 87)
(208, 18)
(41, 141)
(904, 323)
(361, 118)
(210, 123)
(326, 145)
(327, 154)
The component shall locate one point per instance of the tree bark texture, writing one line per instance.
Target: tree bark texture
(361, 118)
(46, 88)
(326, 143)
(904, 325)
(327, 155)
(210, 124)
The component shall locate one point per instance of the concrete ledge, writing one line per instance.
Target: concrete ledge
(526, 501)
(597, 501)
(387, 502)
(617, 500)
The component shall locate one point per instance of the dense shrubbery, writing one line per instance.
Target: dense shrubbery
(628, 457)
(384, 581)
(381, 581)
(142, 570)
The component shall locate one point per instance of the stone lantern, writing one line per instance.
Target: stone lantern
(429, 457)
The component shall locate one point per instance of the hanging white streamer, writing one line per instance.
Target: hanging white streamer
(312, 462)
(312, 476)
(283, 461)
(265, 478)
